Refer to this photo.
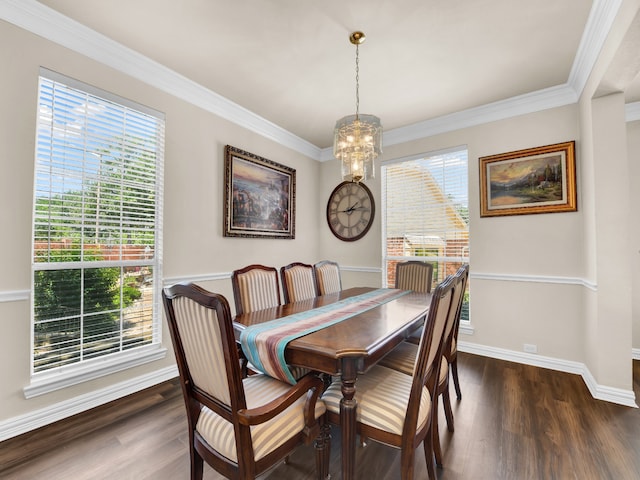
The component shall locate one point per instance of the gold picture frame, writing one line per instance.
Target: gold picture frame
(259, 196)
(534, 180)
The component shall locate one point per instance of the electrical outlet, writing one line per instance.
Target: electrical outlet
(529, 348)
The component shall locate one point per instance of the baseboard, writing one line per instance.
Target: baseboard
(25, 423)
(599, 392)
(22, 424)
(635, 353)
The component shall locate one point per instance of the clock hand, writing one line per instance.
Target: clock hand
(350, 209)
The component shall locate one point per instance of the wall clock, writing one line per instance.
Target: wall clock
(350, 211)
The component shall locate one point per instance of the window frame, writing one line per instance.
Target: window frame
(440, 259)
(65, 375)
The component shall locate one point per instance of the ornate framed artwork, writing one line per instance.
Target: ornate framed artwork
(535, 180)
(259, 196)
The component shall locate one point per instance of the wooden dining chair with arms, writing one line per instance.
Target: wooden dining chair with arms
(298, 282)
(328, 277)
(255, 287)
(240, 426)
(398, 409)
(403, 357)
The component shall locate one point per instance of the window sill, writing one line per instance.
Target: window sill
(67, 376)
(466, 328)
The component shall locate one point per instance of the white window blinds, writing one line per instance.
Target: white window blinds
(426, 212)
(96, 232)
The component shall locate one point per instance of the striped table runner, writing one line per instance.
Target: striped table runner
(264, 343)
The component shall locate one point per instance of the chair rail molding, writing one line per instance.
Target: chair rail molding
(509, 277)
(15, 295)
(23, 295)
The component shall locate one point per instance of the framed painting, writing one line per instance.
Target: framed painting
(535, 180)
(259, 196)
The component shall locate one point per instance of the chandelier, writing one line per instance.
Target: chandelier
(357, 138)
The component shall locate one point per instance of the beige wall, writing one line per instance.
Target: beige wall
(547, 255)
(503, 314)
(633, 142)
(193, 241)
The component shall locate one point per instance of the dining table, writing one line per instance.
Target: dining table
(346, 347)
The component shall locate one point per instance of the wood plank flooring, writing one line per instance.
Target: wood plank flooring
(514, 422)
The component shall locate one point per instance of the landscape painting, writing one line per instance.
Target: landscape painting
(535, 180)
(259, 196)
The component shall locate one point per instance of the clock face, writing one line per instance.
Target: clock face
(350, 211)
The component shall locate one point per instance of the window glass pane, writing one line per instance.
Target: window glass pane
(96, 206)
(426, 213)
(57, 296)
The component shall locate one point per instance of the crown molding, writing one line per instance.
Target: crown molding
(632, 112)
(547, 98)
(601, 18)
(51, 25)
(520, 105)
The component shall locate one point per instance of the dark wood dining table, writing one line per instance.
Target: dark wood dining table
(347, 348)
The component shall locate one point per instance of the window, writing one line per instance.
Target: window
(97, 229)
(426, 213)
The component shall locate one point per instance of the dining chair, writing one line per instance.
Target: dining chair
(417, 276)
(452, 352)
(403, 357)
(240, 426)
(298, 282)
(414, 275)
(398, 409)
(255, 287)
(328, 277)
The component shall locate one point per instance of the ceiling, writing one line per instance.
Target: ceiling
(291, 62)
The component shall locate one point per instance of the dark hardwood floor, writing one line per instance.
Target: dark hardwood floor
(514, 422)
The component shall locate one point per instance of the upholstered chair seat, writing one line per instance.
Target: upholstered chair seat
(382, 395)
(403, 359)
(266, 437)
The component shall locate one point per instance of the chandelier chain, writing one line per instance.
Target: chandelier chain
(357, 80)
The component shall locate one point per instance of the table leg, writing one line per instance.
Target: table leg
(348, 406)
